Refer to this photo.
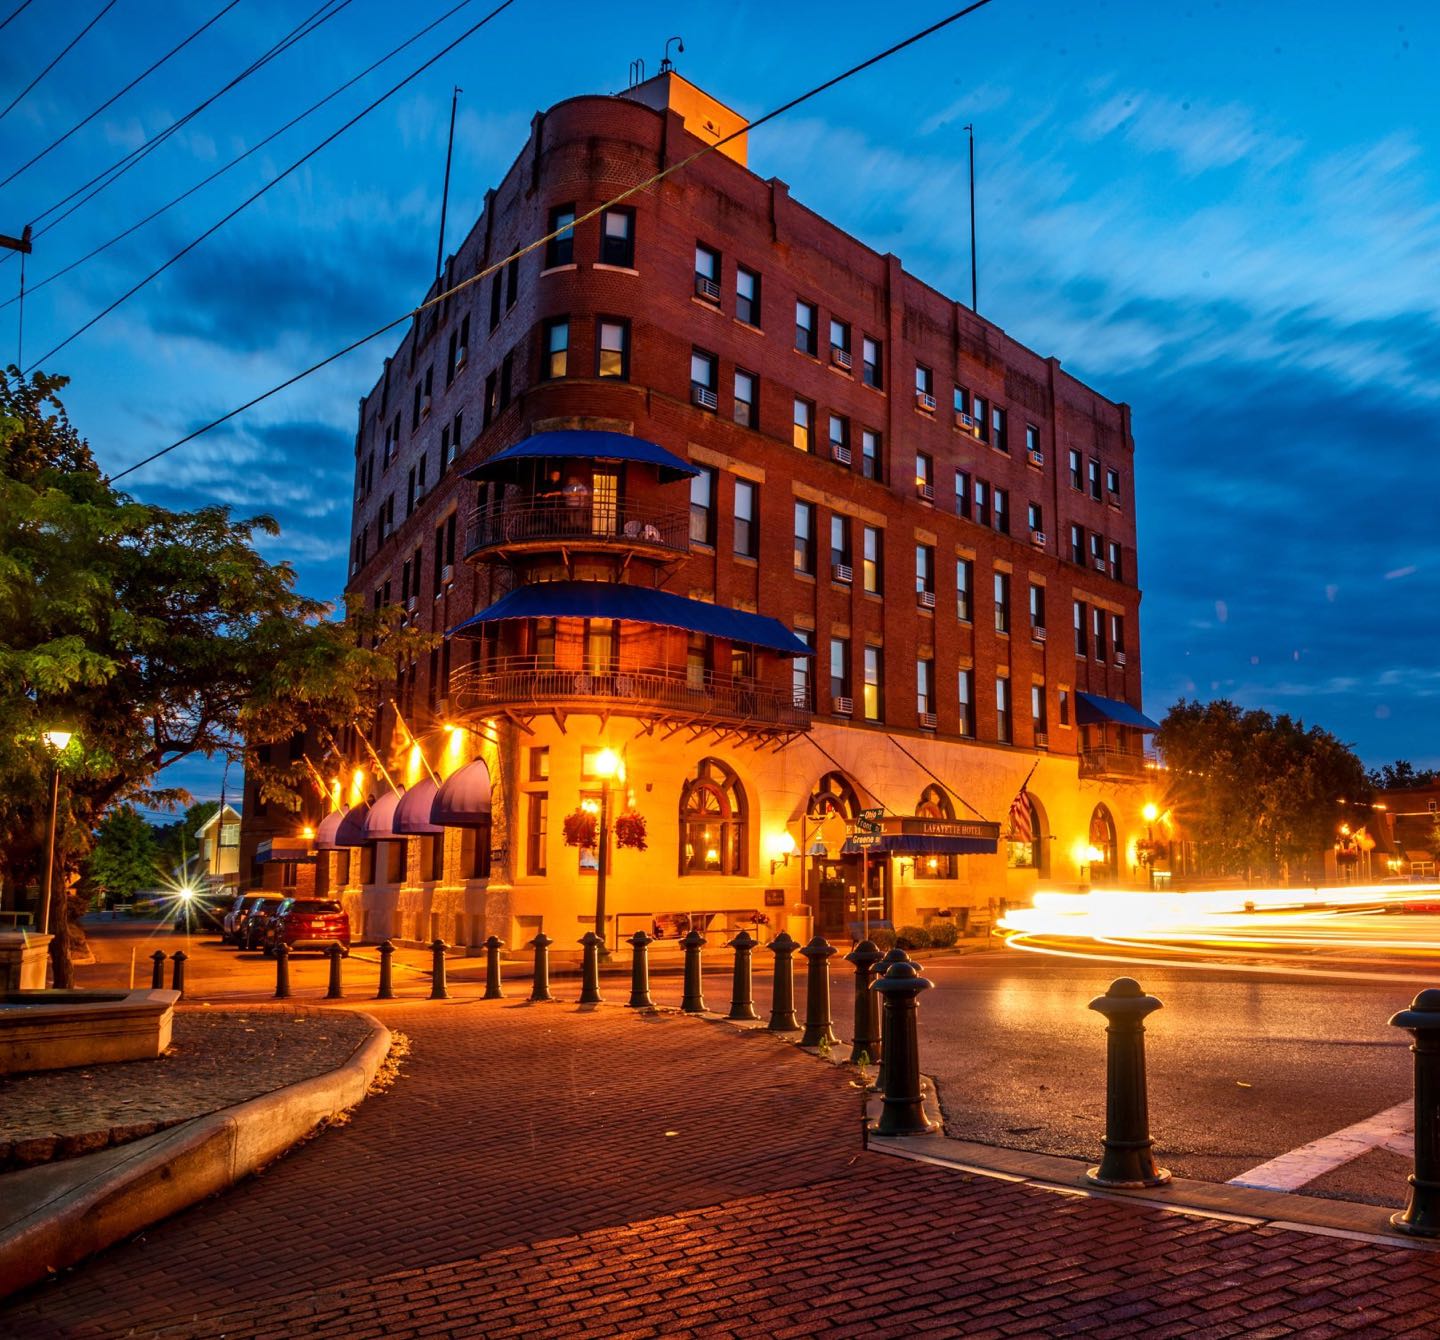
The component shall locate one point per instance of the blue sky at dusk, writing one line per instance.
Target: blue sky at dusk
(1226, 214)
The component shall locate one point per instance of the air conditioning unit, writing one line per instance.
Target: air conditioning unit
(926, 599)
(927, 720)
(839, 452)
(704, 397)
(1037, 634)
(1037, 457)
(707, 289)
(1100, 565)
(411, 604)
(840, 357)
(924, 490)
(1120, 658)
(967, 422)
(844, 707)
(1037, 538)
(924, 400)
(447, 573)
(842, 572)
(1042, 740)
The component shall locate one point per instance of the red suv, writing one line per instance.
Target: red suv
(308, 923)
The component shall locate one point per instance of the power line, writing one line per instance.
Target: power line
(276, 180)
(16, 13)
(541, 241)
(109, 5)
(255, 148)
(115, 97)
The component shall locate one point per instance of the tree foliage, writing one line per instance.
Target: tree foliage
(1401, 775)
(1258, 794)
(125, 858)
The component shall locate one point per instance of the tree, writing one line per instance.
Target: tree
(1258, 794)
(152, 635)
(124, 860)
(1402, 775)
(179, 843)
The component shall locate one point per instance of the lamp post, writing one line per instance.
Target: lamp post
(607, 766)
(57, 740)
(1150, 812)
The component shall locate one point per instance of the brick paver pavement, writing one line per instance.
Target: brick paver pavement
(552, 1171)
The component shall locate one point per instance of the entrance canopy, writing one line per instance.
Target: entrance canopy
(351, 832)
(918, 836)
(325, 835)
(1093, 710)
(463, 800)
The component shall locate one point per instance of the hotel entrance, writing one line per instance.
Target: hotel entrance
(835, 894)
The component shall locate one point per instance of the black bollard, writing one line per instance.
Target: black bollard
(692, 1000)
(902, 1110)
(177, 975)
(157, 970)
(818, 1032)
(1128, 1160)
(590, 970)
(386, 989)
(540, 986)
(866, 1042)
(892, 957)
(782, 987)
(742, 1003)
(335, 991)
(1421, 1215)
(493, 946)
(438, 990)
(640, 971)
(282, 970)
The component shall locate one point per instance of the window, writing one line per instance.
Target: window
(1002, 602)
(1064, 705)
(612, 349)
(924, 475)
(840, 343)
(966, 724)
(1037, 606)
(982, 419)
(840, 439)
(1112, 484)
(1097, 623)
(1077, 544)
(537, 805)
(747, 413)
(540, 763)
(999, 434)
(805, 320)
(1116, 565)
(1035, 517)
(410, 492)
(925, 385)
(873, 574)
(925, 568)
(1117, 632)
(839, 541)
(961, 400)
(543, 641)
(745, 532)
(1003, 731)
(457, 443)
(702, 507)
(982, 502)
(512, 283)
(557, 348)
(707, 273)
(870, 352)
(496, 282)
(492, 397)
(801, 684)
(459, 350)
(1032, 438)
(962, 494)
(1082, 645)
(747, 296)
(714, 835)
(1094, 479)
(704, 378)
(804, 430)
(872, 464)
(697, 660)
(1037, 709)
(444, 555)
(873, 696)
(805, 537)
(1000, 500)
(839, 671)
(602, 648)
(1097, 550)
(617, 238)
(560, 249)
(964, 585)
(925, 686)
(1076, 481)
(507, 376)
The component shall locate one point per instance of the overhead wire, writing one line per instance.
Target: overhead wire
(276, 180)
(255, 148)
(491, 269)
(15, 14)
(64, 51)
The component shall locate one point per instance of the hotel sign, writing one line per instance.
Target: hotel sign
(961, 828)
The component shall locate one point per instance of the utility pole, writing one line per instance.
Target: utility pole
(445, 195)
(974, 286)
(22, 245)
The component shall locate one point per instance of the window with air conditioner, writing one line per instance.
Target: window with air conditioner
(704, 375)
(924, 475)
(924, 387)
(925, 574)
(1037, 607)
(840, 344)
(840, 439)
(925, 690)
(840, 557)
(707, 274)
(840, 674)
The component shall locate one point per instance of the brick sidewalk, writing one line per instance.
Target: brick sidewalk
(548, 1170)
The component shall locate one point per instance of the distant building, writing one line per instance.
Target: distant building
(1406, 829)
(706, 483)
(217, 862)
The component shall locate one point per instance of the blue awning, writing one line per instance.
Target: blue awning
(1093, 710)
(584, 444)
(412, 814)
(914, 844)
(380, 820)
(329, 827)
(636, 604)
(463, 799)
(351, 829)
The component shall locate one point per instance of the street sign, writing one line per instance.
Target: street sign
(869, 821)
(865, 839)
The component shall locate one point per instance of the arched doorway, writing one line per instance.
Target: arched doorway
(1103, 859)
(833, 877)
(934, 803)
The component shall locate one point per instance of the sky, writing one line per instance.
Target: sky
(1225, 214)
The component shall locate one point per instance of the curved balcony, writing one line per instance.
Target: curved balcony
(520, 686)
(582, 523)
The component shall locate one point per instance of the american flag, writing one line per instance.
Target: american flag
(1022, 823)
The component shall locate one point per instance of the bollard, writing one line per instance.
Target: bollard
(818, 1032)
(590, 970)
(902, 1109)
(282, 970)
(892, 957)
(335, 991)
(692, 1001)
(493, 946)
(438, 990)
(866, 1043)
(177, 976)
(157, 971)
(386, 990)
(1128, 1160)
(782, 987)
(640, 971)
(540, 986)
(742, 1004)
(1421, 1215)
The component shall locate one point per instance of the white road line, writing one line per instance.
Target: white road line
(1392, 1129)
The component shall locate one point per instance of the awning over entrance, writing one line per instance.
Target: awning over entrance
(1093, 710)
(326, 834)
(269, 850)
(380, 822)
(584, 444)
(412, 814)
(351, 832)
(636, 604)
(917, 836)
(463, 800)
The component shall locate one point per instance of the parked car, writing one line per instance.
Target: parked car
(258, 914)
(240, 913)
(308, 923)
(228, 922)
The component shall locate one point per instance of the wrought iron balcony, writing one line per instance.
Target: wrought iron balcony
(1113, 764)
(579, 523)
(520, 685)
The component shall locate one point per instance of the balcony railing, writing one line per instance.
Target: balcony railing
(1115, 763)
(520, 684)
(583, 522)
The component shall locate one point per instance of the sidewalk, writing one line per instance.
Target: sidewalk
(561, 1171)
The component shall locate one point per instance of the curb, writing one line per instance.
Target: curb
(86, 1204)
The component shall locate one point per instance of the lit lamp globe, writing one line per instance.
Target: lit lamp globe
(58, 739)
(606, 763)
(1150, 812)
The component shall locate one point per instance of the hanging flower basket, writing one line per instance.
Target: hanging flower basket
(630, 830)
(579, 829)
(1147, 849)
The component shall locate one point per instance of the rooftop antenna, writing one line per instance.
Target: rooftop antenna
(666, 64)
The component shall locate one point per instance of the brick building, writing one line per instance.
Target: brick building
(708, 488)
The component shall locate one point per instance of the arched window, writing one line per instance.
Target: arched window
(935, 804)
(1023, 837)
(1102, 840)
(714, 836)
(833, 794)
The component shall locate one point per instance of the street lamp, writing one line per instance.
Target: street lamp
(605, 765)
(57, 740)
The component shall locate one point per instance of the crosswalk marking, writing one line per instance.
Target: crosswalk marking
(1392, 1129)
